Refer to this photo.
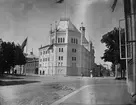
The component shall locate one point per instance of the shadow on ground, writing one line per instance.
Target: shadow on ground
(6, 76)
(22, 82)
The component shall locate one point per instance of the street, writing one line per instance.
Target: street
(78, 91)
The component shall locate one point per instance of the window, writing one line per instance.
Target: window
(74, 64)
(71, 40)
(76, 41)
(61, 63)
(48, 59)
(58, 40)
(63, 40)
(58, 63)
(40, 60)
(61, 57)
(73, 50)
(40, 65)
(41, 53)
(52, 40)
(73, 58)
(60, 49)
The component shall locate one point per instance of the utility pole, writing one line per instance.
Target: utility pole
(130, 23)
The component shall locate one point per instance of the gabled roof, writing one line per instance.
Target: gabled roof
(47, 46)
(66, 23)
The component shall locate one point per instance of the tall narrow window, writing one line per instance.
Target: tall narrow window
(61, 57)
(58, 40)
(43, 52)
(40, 60)
(63, 40)
(71, 40)
(76, 41)
(58, 63)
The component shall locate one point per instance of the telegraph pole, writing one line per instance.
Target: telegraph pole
(130, 13)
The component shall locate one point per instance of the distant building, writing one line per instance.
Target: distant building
(69, 52)
(96, 72)
(31, 66)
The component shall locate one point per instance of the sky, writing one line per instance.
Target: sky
(32, 18)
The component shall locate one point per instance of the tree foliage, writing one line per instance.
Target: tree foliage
(10, 55)
(112, 53)
(111, 39)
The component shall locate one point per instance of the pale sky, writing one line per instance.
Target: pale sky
(32, 18)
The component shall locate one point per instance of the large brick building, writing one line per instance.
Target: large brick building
(69, 52)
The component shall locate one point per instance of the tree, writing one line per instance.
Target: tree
(19, 56)
(10, 55)
(20, 59)
(112, 53)
(7, 56)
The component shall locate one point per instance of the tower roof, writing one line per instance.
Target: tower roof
(65, 23)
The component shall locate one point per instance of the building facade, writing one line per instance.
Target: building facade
(69, 52)
(31, 66)
(32, 63)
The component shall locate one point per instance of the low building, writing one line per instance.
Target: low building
(96, 72)
(31, 66)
